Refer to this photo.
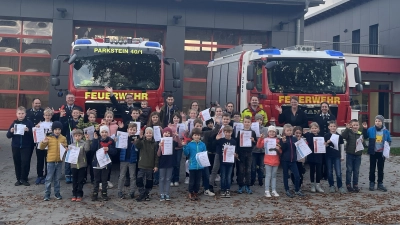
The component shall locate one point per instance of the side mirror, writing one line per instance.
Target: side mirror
(55, 67)
(270, 65)
(357, 75)
(176, 84)
(176, 70)
(72, 59)
(250, 86)
(251, 70)
(55, 81)
(359, 88)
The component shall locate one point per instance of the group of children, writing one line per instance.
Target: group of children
(143, 159)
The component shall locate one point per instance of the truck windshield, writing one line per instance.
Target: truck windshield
(122, 72)
(320, 76)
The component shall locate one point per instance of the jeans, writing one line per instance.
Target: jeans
(215, 169)
(257, 167)
(336, 163)
(22, 162)
(315, 168)
(293, 167)
(67, 171)
(100, 176)
(206, 178)
(302, 170)
(165, 179)
(124, 167)
(245, 168)
(194, 180)
(78, 175)
(177, 165)
(156, 177)
(144, 174)
(226, 171)
(374, 160)
(41, 162)
(270, 177)
(353, 163)
(53, 175)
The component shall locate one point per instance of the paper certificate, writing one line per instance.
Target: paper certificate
(138, 128)
(19, 129)
(245, 138)
(89, 131)
(237, 127)
(102, 158)
(38, 134)
(319, 145)
(268, 144)
(335, 141)
(221, 131)
(62, 152)
(228, 154)
(181, 129)
(46, 126)
(256, 127)
(386, 150)
(202, 159)
(359, 144)
(122, 140)
(302, 149)
(157, 133)
(205, 115)
(167, 145)
(190, 125)
(72, 154)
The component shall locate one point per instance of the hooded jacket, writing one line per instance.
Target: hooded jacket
(370, 134)
(21, 141)
(190, 150)
(84, 147)
(351, 141)
(148, 158)
(53, 151)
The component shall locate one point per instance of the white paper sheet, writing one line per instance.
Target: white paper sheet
(221, 131)
(202, 159)
(205, 115)
(359, 144)
(268, 144)
(386, 150)
(102, 158)
(190, 125)
(302, 149)
(256, 127)
(237, 127)
(157, 133)
(245, 138)
(46, 126)
(319, 145)
(38, 134)
(62, 151)
(229, 154)
(138, 127)
(19, 129)
(89, 131)
(72, 154)
(122, 140)
(168, 145)
(335, 141)
(181, 129)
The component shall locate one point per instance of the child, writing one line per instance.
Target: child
(101, 174)
(314, 159)
(236, 119)
(154, 120)
(298, 133)
(166, 163)
(79, 170)
(271, 161)
(191, 149)
(257, 165)
(123, 126)
(226, 167)
(147, 164)
(245, 157)
(353, 157)
(21, 146)
(54, 162)
(192, 116)
(128, 160)
(112, 128)
(145, 112)
(289, 159)
(41, 155)
(377, 136)
(177, 118)
(209, 125)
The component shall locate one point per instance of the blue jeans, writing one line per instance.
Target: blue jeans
(68, 172)
(226, 171)
(353, 163)
(293, 167)
(53, 175)
(206, 178)
(336, 163)
(177, 165)
(258, 161)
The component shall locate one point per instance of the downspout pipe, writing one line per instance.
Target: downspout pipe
(298, 22)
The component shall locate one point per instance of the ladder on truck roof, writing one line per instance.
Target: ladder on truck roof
(239, 48)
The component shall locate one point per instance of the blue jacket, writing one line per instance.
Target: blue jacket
(190, 150)
(371, 135)
(289, 153)
(132, 153)
(21, 141)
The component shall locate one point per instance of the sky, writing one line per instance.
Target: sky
(327, 3)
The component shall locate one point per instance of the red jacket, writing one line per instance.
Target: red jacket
(271, 160)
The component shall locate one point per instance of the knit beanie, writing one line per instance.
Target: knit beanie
(271, 128)
(258, 117)
(56, 124)
(380, 117)
(167, 129)
(105, 128)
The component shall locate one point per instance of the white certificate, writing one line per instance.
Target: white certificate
(62, 152)
(221, 131)
(167, 144)
(102, 158)
(181, 129)
(245, 138)
(335, 141)
(202, 159)
(19, 129)
(157, 133)
(359, 144)
(46, 126)
(228, 154)
(237, 127)
(72, 154)
(205, 115)
(319, 145)
(138, 128)
(268, 144)
(256, 127)
(89, 131)
(38, 134)
(386, 150)
(122, 140)
(190, 125)
(302, 149)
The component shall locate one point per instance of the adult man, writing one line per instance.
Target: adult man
(123, 109)
(35, 114)
(253, 109)
(70, 99)
(229, 109)
(167, 111)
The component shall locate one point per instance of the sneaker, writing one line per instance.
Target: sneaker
(313, 188)
(171, 184)
(208, 193)
(141, 198)
(176, 184)
(46, 198)
(228, 194)
(356, 189)
(109, 185)
(349, 188)
(68, 180)
(58, 196)
(43, 180)
(290, 195)
(132, 195)
(73, 199)
(342, 190)
(240, 190)
(186, 180)
(267, 194)
(94, 197)
(371, 186)
(37, 181)
(167, 198)
(218, 178)
(223, 194)
(162, 198)
(18, 183)
(25, 183)
(381, 187)
(299, 193)
(78, 199)
(104, 196)
(147, 197)
(318, 188)
(275, 194)
(248, 190)
(332, 189)
(121, 195)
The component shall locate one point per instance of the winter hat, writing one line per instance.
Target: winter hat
(56, 124)
(167, 129)
(105, 128)
(380, 117)
(271, 128)
(258, 117)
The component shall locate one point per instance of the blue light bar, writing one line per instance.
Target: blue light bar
(334, 53)
(268, 51)
(83, 42)
(152, 44)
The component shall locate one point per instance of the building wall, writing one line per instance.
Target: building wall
(382, 12)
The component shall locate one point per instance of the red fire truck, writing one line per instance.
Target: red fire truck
(275, 75)
(131, 66)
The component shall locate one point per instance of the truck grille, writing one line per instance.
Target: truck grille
(313, 110)
(102, 107)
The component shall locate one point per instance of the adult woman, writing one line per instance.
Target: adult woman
(294, 115)
(229, 108)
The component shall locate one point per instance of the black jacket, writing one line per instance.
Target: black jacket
(98, 143)
(68, 112)
(289, 153)
(313, 157)
(300, 120)
(68, 126)
(21, 141)
(323, 123)
(35, 116)
(167, 117)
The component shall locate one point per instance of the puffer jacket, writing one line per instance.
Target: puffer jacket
(53, 151)
(271, 160)
(84, 148)
(190, 150)
(351, 141)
